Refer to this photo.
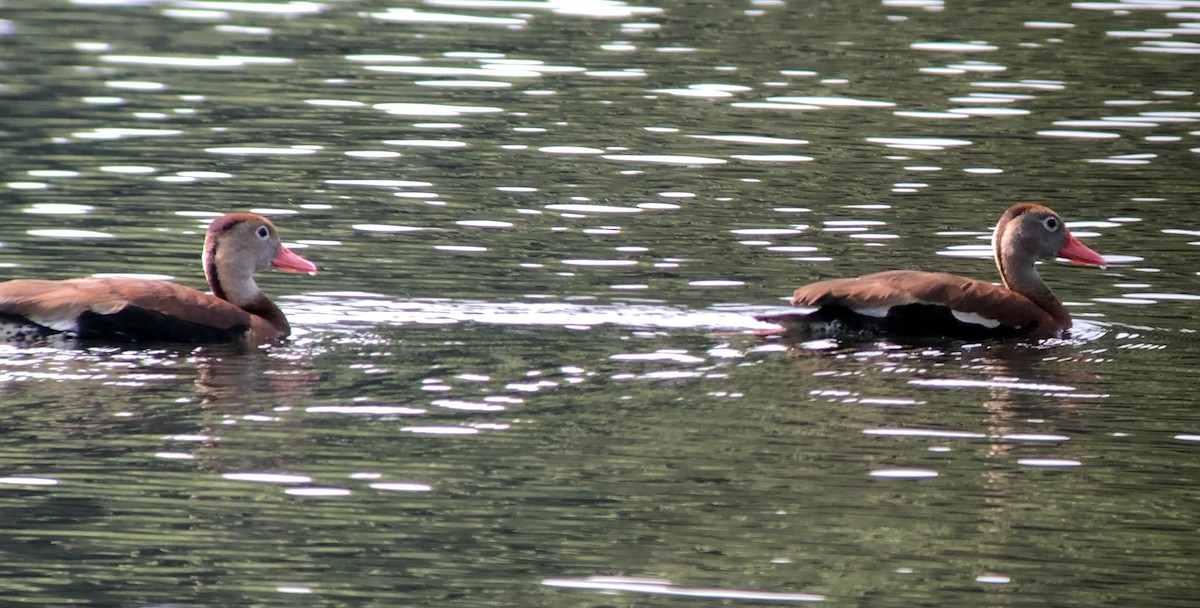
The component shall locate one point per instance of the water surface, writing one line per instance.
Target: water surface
(528, 373)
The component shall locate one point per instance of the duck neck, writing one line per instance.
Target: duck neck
(234, 283)
(1019, 273)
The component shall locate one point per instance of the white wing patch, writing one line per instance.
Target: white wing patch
(975, 319)
(972, 318)
(55, 323)
(878, 312)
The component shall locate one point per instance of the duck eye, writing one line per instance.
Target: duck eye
(262, 232)
(1051, 223)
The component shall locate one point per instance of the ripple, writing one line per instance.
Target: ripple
(380, 58)
(991, 98)
(400, 487)
(1000, 384)
(484, 224)
(205, 174)
(1040, 85)
(1060, 25)
(978, 252)
(773, 158)
(570, 150)
(464, 84)
(220, 61)
(426, 143)
(59, 209)
(51, 173)
(1169, 46)
(926, 114)
(581, 262)
(1078, 134)
(753, 139)
(496, 66)
(123, 132)
(699, 93)
(102, 100)
(1034, 437)
(365, 410)
(385, 228)
(666, 159)
(318, 492)
(1182, 297)
(372, 154)
(1048, 462)
(1106, 122)
(267, 477)
(919, 143)
(625, 73)
(716, 283)
(440, 430)
(378, 183)
(903, 473)
(260, 151)
(833, 102)
(673, 356)
(409, 15)
(1124, 159)
(993, 579)
(765, 105)
(662, 587)
(128, 169)
(989, 111)
(583, 208)
(334, 103)
(28, 481)
(66, 233)
(954, 47)
(765, 231)
(449, 71)
(468, 406)
(433, 109)
(916, 432)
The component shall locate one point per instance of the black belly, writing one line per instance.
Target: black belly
(131, 324)
(907, 321)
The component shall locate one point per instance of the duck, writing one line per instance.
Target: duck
(138, 310)
(915, 304)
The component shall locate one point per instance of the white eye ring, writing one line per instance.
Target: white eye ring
(1051, 223)
(262, 232)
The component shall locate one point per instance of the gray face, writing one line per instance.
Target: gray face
(1033, 235)
(1044, 233)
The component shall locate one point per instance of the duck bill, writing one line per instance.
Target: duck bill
(287, 261)
(1079, 253)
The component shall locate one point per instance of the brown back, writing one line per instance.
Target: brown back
(56, 304)
(899, 287)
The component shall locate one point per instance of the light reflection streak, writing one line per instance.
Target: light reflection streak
(663, 587)
(409, 15)
(990, 384)
(268, 8)
(355, 308)
(220, 61)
